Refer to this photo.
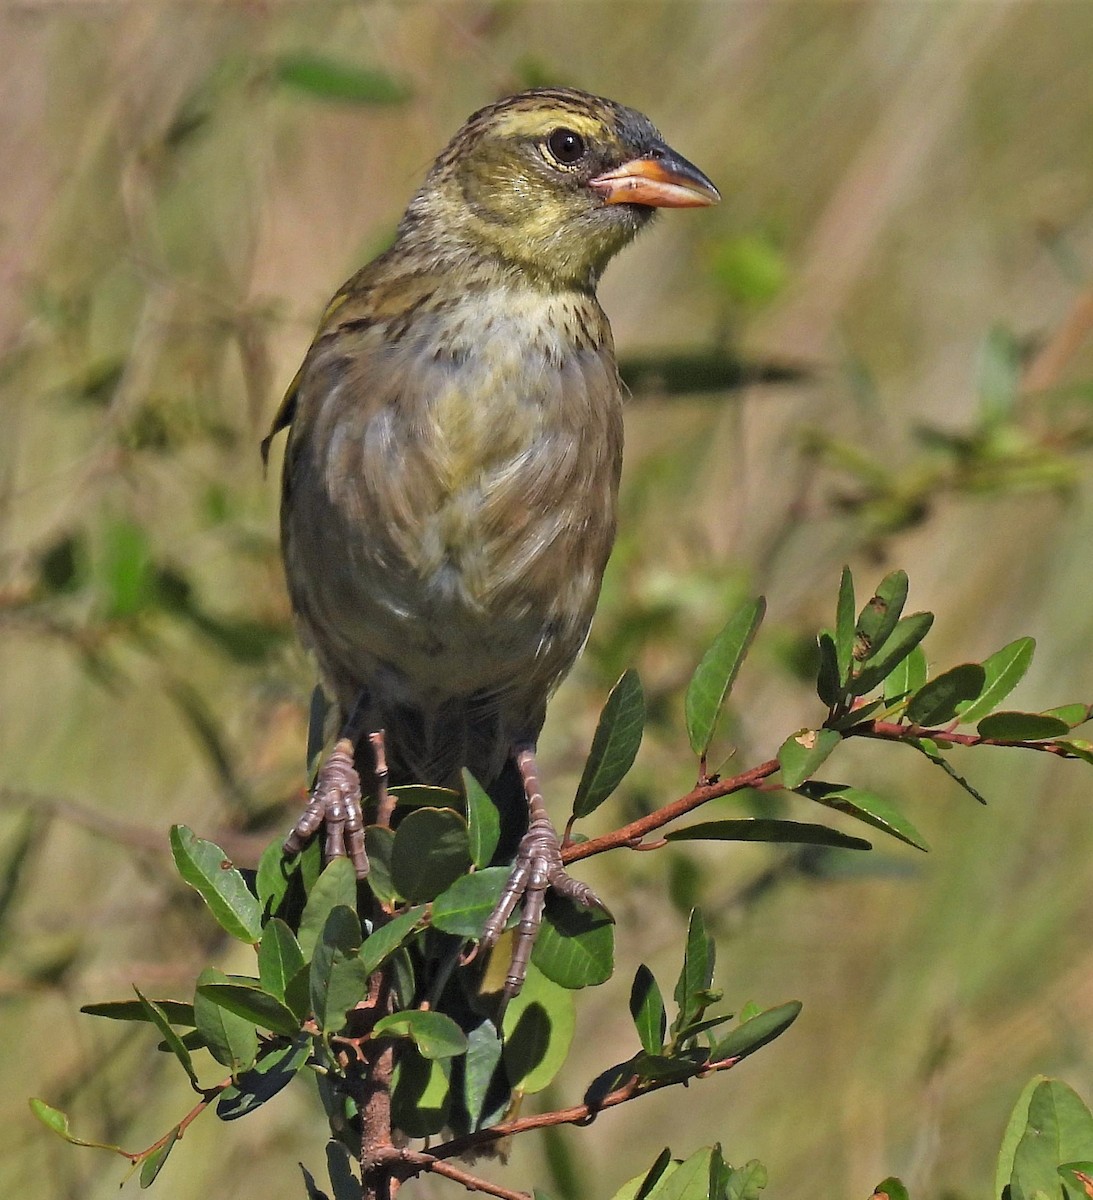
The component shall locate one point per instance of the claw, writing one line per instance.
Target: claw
(336, 802)
(538, 868)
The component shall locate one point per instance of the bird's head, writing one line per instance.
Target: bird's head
(552, 182)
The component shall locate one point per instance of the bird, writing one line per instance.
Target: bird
(451, 471)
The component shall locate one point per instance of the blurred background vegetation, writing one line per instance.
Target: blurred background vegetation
(876, 350)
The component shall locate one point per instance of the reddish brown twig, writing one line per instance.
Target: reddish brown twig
(631, 835)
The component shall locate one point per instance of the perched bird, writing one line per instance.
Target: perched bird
(452, 467)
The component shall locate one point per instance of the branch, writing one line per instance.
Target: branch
(891, 731)
(632, 834)
(579, 1114)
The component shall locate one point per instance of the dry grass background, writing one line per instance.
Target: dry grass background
(172, 223)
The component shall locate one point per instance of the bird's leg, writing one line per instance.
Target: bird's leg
(538, 867)
(336, 798)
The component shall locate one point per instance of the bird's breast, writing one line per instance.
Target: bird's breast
(471, 468)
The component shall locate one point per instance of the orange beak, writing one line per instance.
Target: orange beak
(664, 179)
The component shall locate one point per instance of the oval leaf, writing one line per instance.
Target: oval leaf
(865, 806)
(937, 702)
(712, 681)
(463, 908)
(750, 1035)
(880, 616)
(763, 829)
(904, 638)
(538, 1029)
(647, 1010)
(232, 1040)
(337, 885)
(1021, 727)
(252, 1004)
(430, 853)
(614, 746)
(906, 677)
(435, 1035)
(279, 957)
(802, 754)
(337, 80)
(209, 871)
(384, 941)
(576, 946)
(483, 821)
(1004, 670)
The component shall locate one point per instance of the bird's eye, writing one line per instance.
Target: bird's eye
(566, 146)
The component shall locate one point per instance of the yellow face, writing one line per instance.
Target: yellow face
(556, 181)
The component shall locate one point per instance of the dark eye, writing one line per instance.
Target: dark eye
(566, 146)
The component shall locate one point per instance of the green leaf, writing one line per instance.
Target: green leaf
(1078, 1176)
(336, 80)
(880, 616)
(1077, 748)
(128, 579)
(383, 941)
(483, 821)
(338, 979)
(1003, 670)
(379, 845)
(277, 1067)
(937, 702)
(337, 885)
(890, 1189)
(1059, 1129)
(689, 1181)
(431, 852)
(696, 973)
(176, 1011)
(1021, 727)
(647, 1009)
(844, 627)
(576, 946)
(1015, 1128)
(712, 681)
(999, 376)
(174, 1043)
(208, 870)
(232, 1040)
(828, 687)
(435, 1034)
(640, 1186)
(746, 1182)
(1073, 714)
(279, 957)
(909, 631)
(338, 1166)
(420, 1094)
(907, 677)
(463, 908)
(753, 1034)
(538, 1030)
(153, 1164)
(250, 1002)
(865, 806)
(483, 1078)
(273, 877)
(614, 746)
(802, 754)
(762, 829)
(57, 1121)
